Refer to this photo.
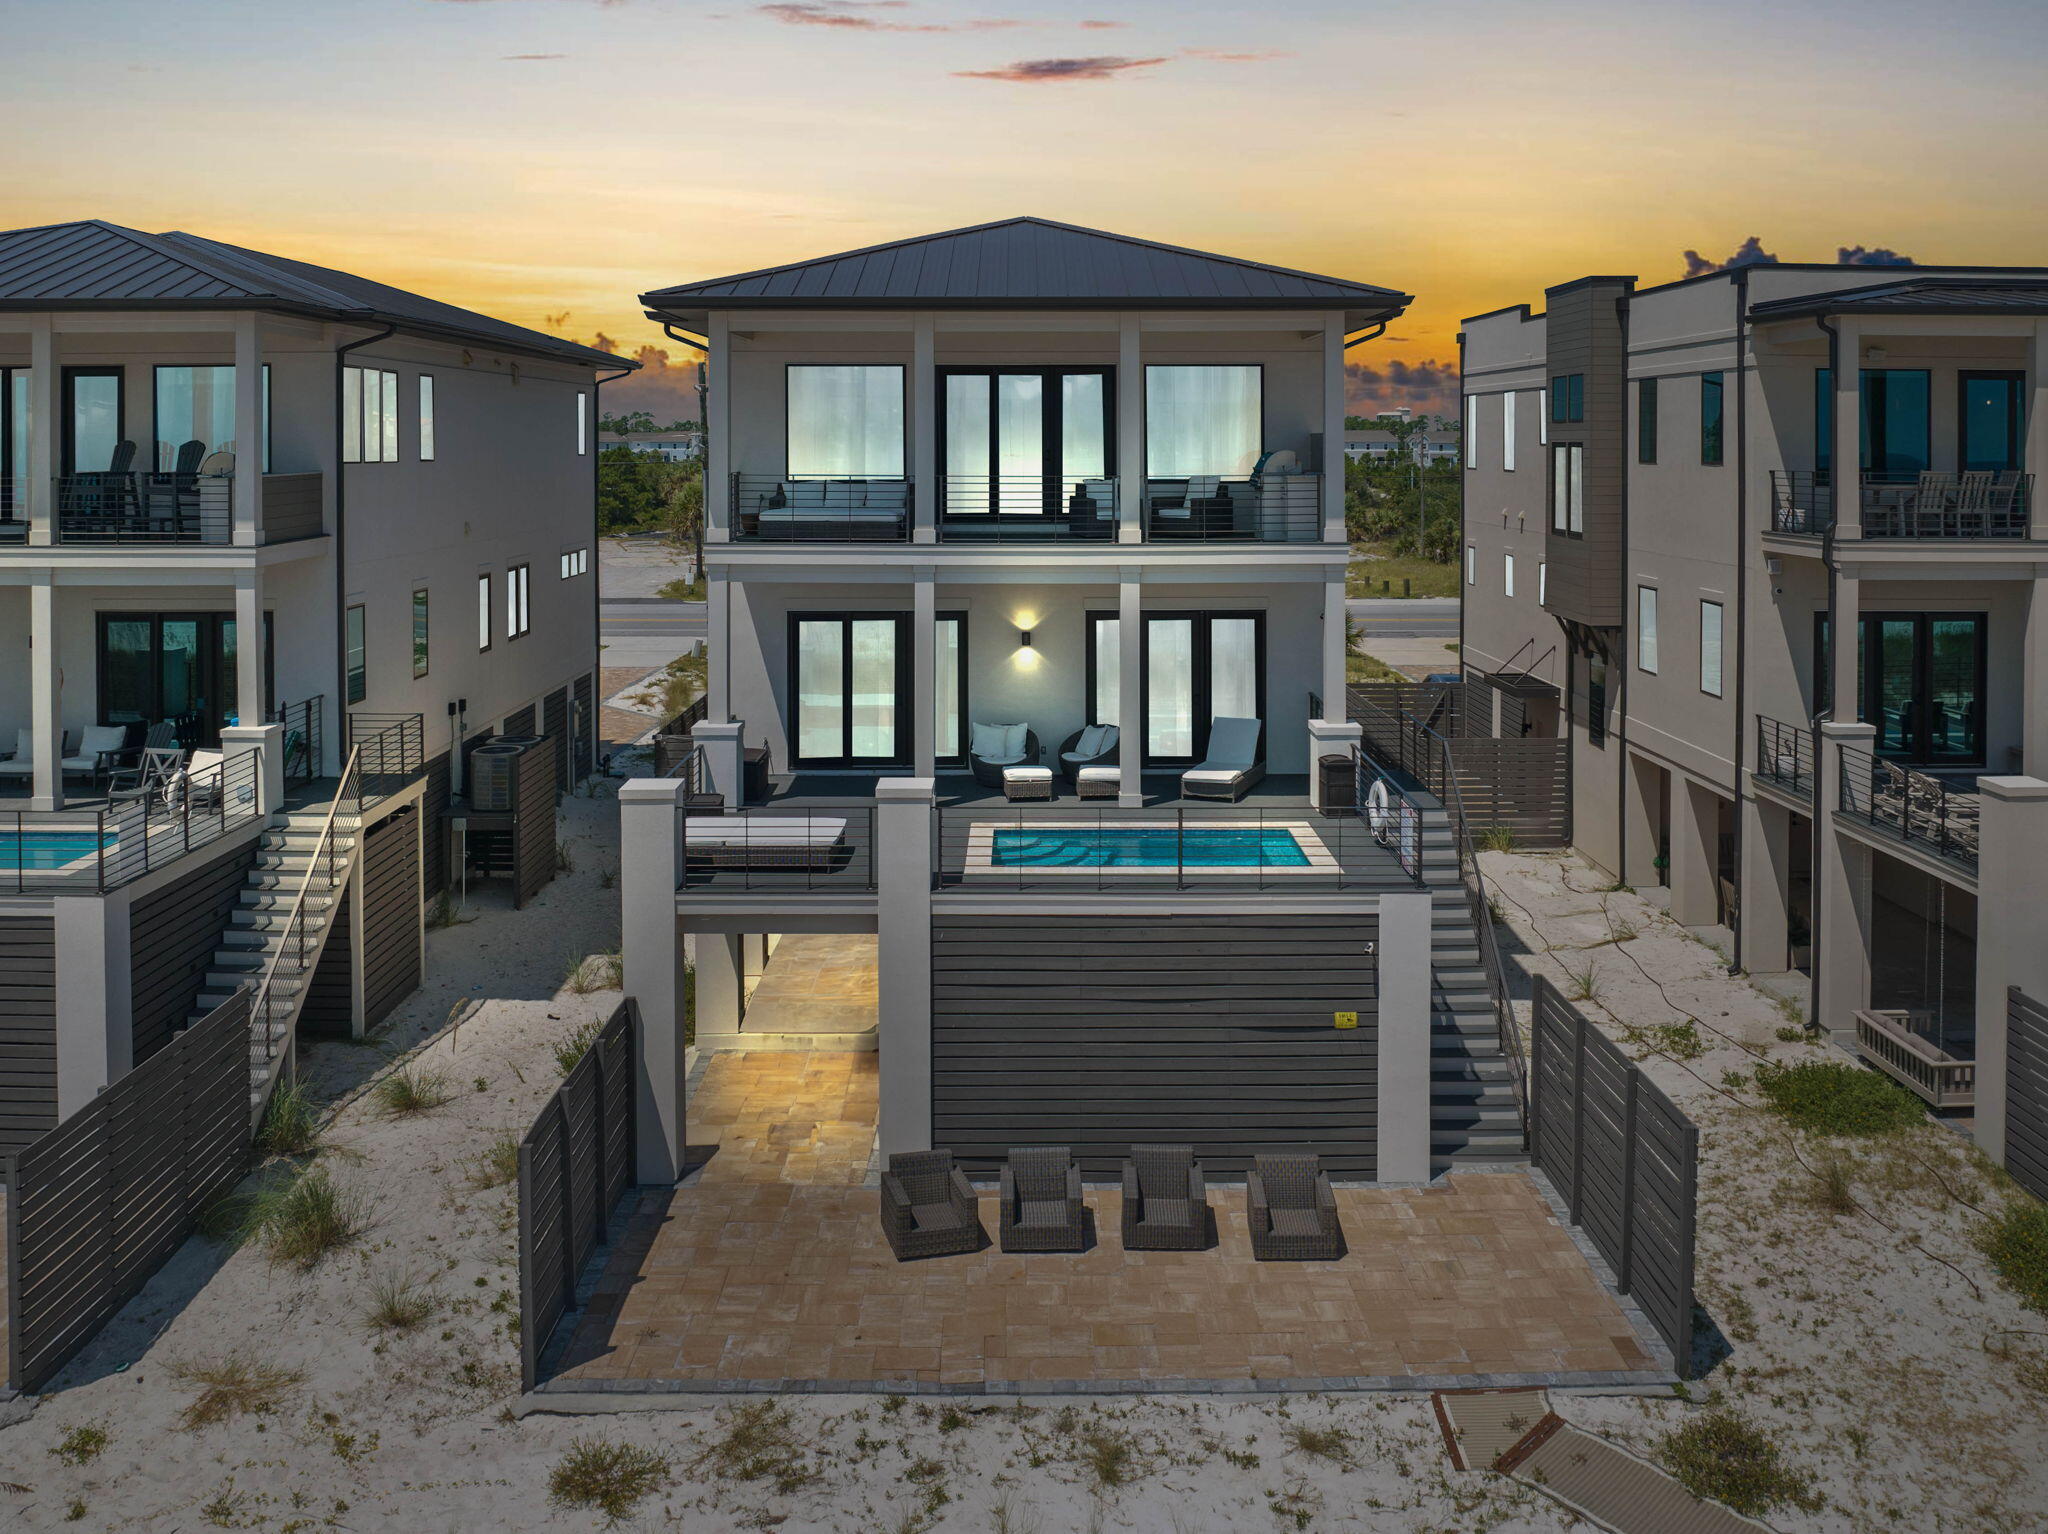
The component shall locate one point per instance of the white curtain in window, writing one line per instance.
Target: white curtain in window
(820, 702)
(1170, 687)
(1083, 452)
(874, 687)
(1201, 420)
(946, 689)
(846, 420)
(1020, 442)
(1108, 670)
(967, 442)
(1233, 668)
(1646, 627)
(1575, 457)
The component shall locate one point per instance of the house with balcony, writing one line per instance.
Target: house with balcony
(1025, 563)
(1769, 543)
(279, 545)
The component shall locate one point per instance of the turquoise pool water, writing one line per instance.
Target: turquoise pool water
(46, 850)
(1147, 847)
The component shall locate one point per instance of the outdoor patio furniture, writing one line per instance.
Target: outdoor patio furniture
(22, 764)
(198, 783)
(149, 777)
(844, 509)
(1027, 783)
(762, 841)
(928, 1209)
(1041, 1201)
(1202, 510)
(1292, 1210)
(992, 747)
(1088, 746)
(99, 753)
(1166, 1200)
(1233, 765)
(1098, 782)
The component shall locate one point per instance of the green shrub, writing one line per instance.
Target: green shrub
(304, 1218)
(1832, 1097)
(1720, 1455)
(411, 1090)
(2016, 1241)
(570, 1051)
(1496, 838)
(611, 1477)
(291, 1122)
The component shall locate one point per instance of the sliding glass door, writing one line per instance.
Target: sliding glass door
(1920, 682)
(850, 689)
(1992, 414)
(14, 419)
(1023, 443)
(92, 418)
(1196, 667)
(180, 667)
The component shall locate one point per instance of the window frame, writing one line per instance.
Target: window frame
(1648, 655)
(1471, 431)
(1568, 399)
(1471, 564)
(582, 423)
(487, 612)
(1145, 372)
(575, 562)
(905, 741)
(518, 601)
(67, 404)
(789, 469)
(1646, 420)
(1202, 679)
(355, 654)
(1567, 489)
(352, 442)
(1714, 425)
(420, 626)
(1720, 648)
(156, 434)
(1507, 574)
(1507, 431)
(424, 425)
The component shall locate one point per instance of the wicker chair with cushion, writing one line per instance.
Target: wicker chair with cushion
(1090, 747)
(1166, 1200)
(927, 1206)
(996, 746)
(1292, 1211)
(1041, 1204)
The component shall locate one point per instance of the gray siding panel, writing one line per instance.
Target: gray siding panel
(555, 725)
(2026, 1090)
(391, 915)
(28, 1030)
(1094, 1032)
(434, 833)
(173, 935)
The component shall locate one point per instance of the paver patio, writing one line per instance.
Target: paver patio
(768, 1267)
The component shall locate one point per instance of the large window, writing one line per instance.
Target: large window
(1925, 691)
(1710, 648)
(1507, 430)
(1646, 628)
(172, 666)
(1568, 489)
(1894, 432)
(94, 410)
(1710, 418)
(949, 687)
(1568, 398)
(369, 416)
(1203, 419)
(1195, 668)
(426, 417)
(1992, 411)
(483, 612)
(357, 659)
(845, 421)
(1022, 441)
(419, 632)
(1646, 420)
(849, 673)
(518, 600)
(1471, 431)
(195, 415)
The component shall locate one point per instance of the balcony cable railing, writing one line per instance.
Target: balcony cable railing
(1268, 508)
(1912, 806)
(1784, 755)
(770, 509)
(1928, 505)
(1027, 508)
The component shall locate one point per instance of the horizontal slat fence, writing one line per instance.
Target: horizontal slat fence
(575, 1164)
(101, 1201)
(1625, 1159)
(2026, 1090)
(1521, 783)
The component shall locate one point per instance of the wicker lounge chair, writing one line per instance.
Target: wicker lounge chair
(927, 1207)
(1292, 1211)
(1234, 765)
(1042, 1208)
(1166, 1200)
(987, 763)
(763, 841)
(1095, 746)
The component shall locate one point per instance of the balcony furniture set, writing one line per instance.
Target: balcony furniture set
(121, 502)
(928, 1207)
(104, 753)
(799, 509)
(994, 747)
(1983, 503)
(1005, 756)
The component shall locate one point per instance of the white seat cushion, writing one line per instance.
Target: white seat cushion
(763, 830)
(1211, 777)
(1099, 774)
(1027, 774)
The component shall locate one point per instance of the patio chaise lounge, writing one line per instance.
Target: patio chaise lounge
(1042, 1209)
(928, 1209)
(22, 764)
(99, 753)
(1094, 746)
(1234, 764)
(993, 747)
(1166, 1200)
(763, 841)
(1292, 1210)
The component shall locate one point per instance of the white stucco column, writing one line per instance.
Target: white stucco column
(248, 484)
(924, 431)
(2034, 681)
(95, 1024)
(266, 741)
(718, 464)
(1402, 1128)
(724, 747)
(1331, 737)
(1843, 679)
(1841, 894)
(1130, 677)
(248, 639)
(1336, 646)
(1846, 473)
(717, 649)
(1640, 779)
(651, 956)
(1766, 886)
(1695, 850)
(2012, 916)
(46, 693)
(46, 433)
(903, 960)
(1333, 429)
(1130, 431)
(2036, 458)
(923, 672)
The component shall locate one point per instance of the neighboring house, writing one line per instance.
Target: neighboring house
(949, 479)
(675, 446)
(1676, 498)
(255, 507)
(1436, 444)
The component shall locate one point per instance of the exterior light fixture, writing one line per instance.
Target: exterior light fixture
(1024, 639)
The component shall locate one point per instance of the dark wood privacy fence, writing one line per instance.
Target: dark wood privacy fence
(575, 1164)
(28, 1031)
(1522, 783)
(101, 1201)
(1625, 1159)
(2026, 1090)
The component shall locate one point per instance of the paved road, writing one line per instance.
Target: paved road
(1410, 618)
(648, 633)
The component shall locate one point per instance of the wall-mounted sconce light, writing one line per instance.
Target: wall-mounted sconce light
(1024, 640)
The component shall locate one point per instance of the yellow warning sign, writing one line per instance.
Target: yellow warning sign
(1347, 1019)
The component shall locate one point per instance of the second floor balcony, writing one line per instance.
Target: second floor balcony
(1930, 506)
(134, 509)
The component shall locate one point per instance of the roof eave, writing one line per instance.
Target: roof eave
(678, 307)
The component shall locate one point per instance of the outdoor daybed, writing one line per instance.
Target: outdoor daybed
(1234, 763)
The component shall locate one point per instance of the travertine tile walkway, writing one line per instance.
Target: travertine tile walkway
(769, 1266)
(816, 983)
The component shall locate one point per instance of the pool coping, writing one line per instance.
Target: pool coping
(980, 852)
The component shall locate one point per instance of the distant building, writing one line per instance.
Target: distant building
(675, 446)
(1437, 444)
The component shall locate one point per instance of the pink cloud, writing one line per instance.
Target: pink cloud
(1049, 71)
(853, 16)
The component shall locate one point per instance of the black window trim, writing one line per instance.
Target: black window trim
(1203, 691)
(422, 619)
(357, 677)
(1052, 421)
(67, 403)
(909, 424)
(906, 739)
(1646, 420)
(1716, 380)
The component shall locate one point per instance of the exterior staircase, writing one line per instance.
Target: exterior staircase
(275, 937)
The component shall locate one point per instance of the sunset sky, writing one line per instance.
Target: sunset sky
(546, 160)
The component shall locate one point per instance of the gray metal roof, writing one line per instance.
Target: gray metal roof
(1918, 295)
(94, 264)
(1027, 263)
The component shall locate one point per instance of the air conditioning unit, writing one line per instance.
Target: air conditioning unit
(490, 777)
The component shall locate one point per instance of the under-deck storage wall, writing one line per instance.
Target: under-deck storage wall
(173, 935)
(391, 914)
(1216, 1031)
(28, 1030)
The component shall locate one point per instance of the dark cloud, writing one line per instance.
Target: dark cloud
(858, 16)
(1856, 255)
(1750, 252)
(665, 387)
(1425, 387)
(1046, 71)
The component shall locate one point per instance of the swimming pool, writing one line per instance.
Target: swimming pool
(48, 851)
(1054, 847)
